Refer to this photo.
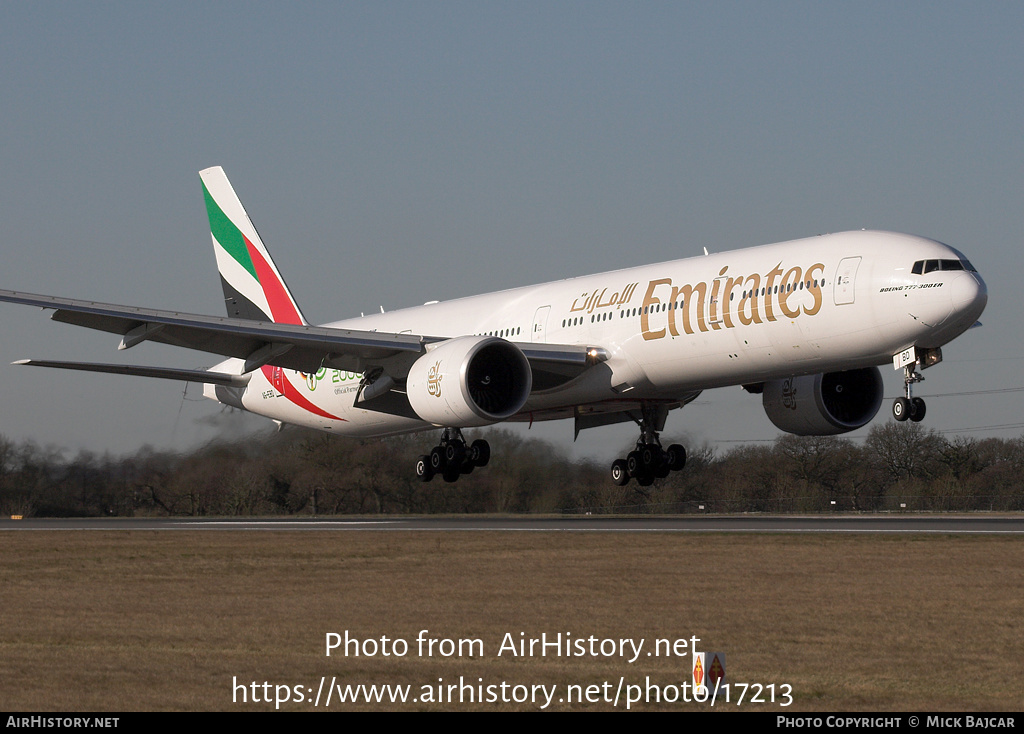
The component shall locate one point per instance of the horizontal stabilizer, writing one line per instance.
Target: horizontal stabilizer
(167, 373)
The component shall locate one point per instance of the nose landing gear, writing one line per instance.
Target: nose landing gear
(909, 407)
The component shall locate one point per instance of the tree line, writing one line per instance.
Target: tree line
(898, 467)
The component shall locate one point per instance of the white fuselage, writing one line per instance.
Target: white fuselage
(822, 304)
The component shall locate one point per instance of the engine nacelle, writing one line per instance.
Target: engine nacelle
(469, 381)
(824, 404)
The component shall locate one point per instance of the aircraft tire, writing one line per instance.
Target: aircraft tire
(480, 452)
(633, 466)
(454, 454)
(424, 472)
(676, 457)
(619, 474)
(917, 410)
(900, 409)
(650, 456)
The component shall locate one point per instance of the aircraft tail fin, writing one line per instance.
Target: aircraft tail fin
(253, 286)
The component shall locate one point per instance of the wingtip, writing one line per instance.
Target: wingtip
(22, 361)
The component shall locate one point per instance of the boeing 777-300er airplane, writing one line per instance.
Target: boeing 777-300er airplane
(805, 324)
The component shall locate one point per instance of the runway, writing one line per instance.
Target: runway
(932, 524)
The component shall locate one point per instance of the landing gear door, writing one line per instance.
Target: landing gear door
(540, 325)
(846, 276)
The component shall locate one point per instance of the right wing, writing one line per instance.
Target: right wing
(167, 373)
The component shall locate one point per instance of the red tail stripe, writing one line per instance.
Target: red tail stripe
(282, 309)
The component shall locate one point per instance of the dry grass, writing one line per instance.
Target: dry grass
(126, 620)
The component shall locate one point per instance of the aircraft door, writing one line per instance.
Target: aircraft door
(846, 276)
(540, 325)
(714, 306)
(277, 379)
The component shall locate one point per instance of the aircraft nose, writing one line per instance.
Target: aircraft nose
(969, 295)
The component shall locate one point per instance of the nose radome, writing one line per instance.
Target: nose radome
(969, 294)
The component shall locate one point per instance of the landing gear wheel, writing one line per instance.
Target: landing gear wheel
(676, 457)
(917, 410)
(480, 452)
(633, 466)
(437, 460)
(424, 472)
(452, 457)
(901, 409)
(650, 458)
(649, 461)
(619, 474)
(454, 454)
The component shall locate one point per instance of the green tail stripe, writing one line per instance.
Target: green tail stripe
(227, 234)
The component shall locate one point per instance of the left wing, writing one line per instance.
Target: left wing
(291, 346)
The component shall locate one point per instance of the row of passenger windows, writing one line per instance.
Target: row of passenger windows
(659, 307)
(504, 332)
(928, 266)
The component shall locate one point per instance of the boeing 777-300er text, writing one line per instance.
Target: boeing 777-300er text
(803, 323)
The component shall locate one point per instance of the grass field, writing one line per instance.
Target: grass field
(136, 620)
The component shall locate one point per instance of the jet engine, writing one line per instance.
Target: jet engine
(824, 404)
(469, 381)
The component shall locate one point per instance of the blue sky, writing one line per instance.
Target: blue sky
(394, 153)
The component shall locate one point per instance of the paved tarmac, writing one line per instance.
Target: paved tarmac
(900, 523)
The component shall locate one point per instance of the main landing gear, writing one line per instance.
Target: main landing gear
(909, 407)
(649, 461)
(452, 457)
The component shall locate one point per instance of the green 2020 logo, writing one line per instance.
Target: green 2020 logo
(312, 379)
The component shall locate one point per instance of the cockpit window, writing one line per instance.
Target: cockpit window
(928, 266)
